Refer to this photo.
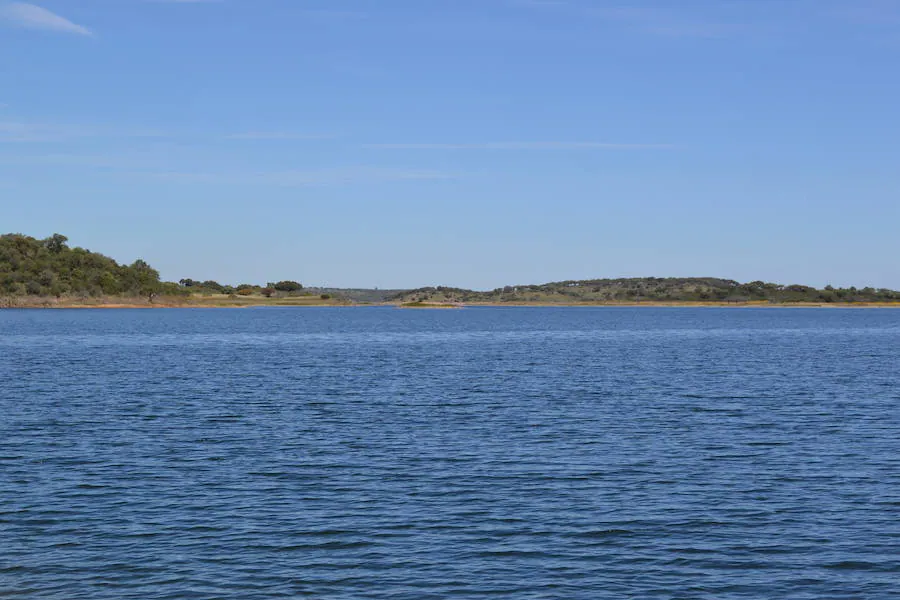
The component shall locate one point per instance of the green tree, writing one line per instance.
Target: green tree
(109, 283)
(288, 286)
(213, 286)
(146, 279)
(56, 243)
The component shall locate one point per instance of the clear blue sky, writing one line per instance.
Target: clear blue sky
(476, 143)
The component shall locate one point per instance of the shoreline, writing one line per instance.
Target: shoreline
(164, 302)
(690, 304)
(133, 303)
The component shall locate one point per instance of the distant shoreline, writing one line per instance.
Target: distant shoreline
(690, 304)
(300, 302)
(36, 302)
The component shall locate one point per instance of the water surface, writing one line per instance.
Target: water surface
(527, 453)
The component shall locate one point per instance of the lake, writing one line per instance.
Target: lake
(528, 453)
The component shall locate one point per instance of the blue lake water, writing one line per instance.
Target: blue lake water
(529, 453)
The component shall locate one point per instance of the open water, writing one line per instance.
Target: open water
(529, 453)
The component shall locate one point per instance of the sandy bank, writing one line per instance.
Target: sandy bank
(302, 301)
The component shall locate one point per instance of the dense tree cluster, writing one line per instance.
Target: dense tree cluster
(286, 286)
(653, 289)
(49, 267)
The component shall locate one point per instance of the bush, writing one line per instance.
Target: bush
(288, 286)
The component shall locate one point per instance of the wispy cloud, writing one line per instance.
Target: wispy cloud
(539, 3)
(26, 131)
(677, 22)
(157, 166)
(21, 130)
(335, 14)
(304, 178)
(664, 22)
(72, 160)
(522, 146)
(32, 16)
(866, 12)
(16, 131)
(276, 135)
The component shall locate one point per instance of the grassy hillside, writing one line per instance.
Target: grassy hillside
(359, 295)
(651, 289)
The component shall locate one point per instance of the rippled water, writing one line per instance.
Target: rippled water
(381, 453)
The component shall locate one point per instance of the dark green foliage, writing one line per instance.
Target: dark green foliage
(210, 287)
(213, 286)
(651, 289)
(287, 286)
(143, 279)
(29, 266)
(56, 243)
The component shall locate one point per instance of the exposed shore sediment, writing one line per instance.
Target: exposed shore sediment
(312, 301)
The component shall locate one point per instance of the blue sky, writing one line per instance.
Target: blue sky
(476, 143)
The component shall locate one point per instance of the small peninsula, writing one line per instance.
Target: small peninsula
(48, 273)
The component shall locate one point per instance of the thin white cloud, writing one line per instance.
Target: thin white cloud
(866, 12)
(676, 23)
(276, 135)
(158, 166)
(304, 178)
(335, 14)
(26, 131)
(17, 131)
(72, 160)
(523, 146)
(539, 3)
(664, 23)
(32, 16)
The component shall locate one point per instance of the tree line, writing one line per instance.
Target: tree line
(653, 289)
(50, 268)
(245, 289)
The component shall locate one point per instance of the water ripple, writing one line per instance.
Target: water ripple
(521, 453)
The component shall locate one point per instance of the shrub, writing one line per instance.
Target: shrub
(288, 286)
